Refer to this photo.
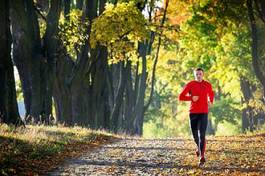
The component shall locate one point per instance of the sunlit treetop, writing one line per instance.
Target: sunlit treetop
(120, 27)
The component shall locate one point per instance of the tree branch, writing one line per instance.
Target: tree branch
(39, 12)
(261, 15)
(254, 47)
(156, 59)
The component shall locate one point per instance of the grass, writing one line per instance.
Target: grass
(35, 150)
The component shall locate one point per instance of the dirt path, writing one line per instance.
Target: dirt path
(225, 156)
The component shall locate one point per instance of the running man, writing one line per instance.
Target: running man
(201, 95)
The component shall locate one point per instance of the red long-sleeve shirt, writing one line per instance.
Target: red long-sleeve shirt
(202, 89)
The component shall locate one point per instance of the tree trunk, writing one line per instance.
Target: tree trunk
(74, 78)
(119, 98)
(140, 94)
(245, 120)
(247, 113)
(79, 4)
(80, 105)
(51, 45)
(255, 58)
(67, 5)
(62, 91)
(210, 128)
(8, 101)
(28, 56)
(129, 102)
(156, 56)
(43, 5)
(100, 79)
(100, 90)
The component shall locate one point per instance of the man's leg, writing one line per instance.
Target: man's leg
(202, 131)
(194, 128)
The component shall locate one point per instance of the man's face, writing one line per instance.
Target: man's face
(198, 75)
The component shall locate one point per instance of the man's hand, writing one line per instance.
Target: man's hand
(195, 98)
(210, 104)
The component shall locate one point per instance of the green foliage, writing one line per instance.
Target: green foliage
(162, 126)
(213, 35)
(73, 33)
(256, 102)
(120, 27)
(227, 129)
(198, 39)
(225, 109)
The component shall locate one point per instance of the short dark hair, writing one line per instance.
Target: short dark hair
(199, 69)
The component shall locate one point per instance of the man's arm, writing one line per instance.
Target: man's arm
(183, 94)
(211, 93)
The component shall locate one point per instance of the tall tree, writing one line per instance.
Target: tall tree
(51, 47)
(79, 81)
(28, 57)
(8, 102)
(256, 62)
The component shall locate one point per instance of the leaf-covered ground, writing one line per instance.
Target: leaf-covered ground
(240, 155)
(35, 150)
